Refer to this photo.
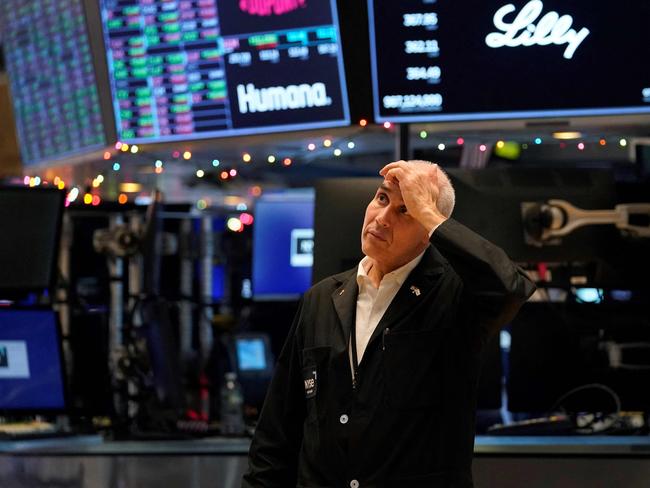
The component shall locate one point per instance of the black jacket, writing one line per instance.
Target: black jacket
(410, 421)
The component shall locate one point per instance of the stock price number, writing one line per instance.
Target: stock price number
(428, 46)
(429, 73)
(428, 19)
(425, 101)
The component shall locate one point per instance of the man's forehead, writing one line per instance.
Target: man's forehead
(390, 187)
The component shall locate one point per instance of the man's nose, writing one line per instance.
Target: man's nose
(384, 217)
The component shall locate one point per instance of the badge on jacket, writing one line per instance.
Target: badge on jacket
(309, 376)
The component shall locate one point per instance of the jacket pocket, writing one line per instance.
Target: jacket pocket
(413, 368)
(315, 362)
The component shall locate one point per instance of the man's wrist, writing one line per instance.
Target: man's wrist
(431, 220)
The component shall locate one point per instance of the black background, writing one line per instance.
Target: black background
(289, 71)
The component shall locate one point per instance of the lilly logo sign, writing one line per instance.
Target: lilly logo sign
(522, 30)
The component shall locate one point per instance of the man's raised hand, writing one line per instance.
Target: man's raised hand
(418, 183)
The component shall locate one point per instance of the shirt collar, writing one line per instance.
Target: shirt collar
(399, 274)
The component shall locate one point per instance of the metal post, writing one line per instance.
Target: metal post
(402, 142)
(135, 271)
(185, 316)
(135, 292)
(205, 320)
(62, 296)
(116, 310)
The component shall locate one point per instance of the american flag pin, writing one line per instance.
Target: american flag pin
(415, 290)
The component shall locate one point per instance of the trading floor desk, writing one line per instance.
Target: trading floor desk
(503, 462)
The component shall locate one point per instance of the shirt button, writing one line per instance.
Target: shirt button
(344, 420)
(354, 484)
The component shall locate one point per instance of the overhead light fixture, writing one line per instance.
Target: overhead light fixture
(130, 187)
(567, 136)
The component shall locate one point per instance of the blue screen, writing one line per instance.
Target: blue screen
(218, 281)
(283, 239)
(251, 354)
(30, 361)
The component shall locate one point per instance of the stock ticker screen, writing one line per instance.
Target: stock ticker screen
(438, 60)
(207, 68)
(52, 78)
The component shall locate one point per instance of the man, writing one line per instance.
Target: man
(376, 384)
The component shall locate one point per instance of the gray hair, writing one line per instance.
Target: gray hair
(447, 195)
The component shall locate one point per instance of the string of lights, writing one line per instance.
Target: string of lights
(91, 192)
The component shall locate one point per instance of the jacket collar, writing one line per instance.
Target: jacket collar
(416, 287)
(345, 299)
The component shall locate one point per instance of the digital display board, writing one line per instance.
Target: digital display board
(283, 245)
(442, 60)
(208, 68)
(53, 84)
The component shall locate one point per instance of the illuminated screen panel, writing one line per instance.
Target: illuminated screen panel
(53, 84)
(208, 68)
(283, 245)
(31, 366)
(441, 60)
(251, 354)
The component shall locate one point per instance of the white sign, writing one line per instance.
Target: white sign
(522, 31)
(302, 247)
(13, 360)
(292, 97)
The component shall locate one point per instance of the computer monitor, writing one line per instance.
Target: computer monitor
(488, 201)
(30, 227)
(61, 98)
(254, 364)
(338, 216)
(196, 70)
(253, 354)
(31, 362)
(283, 241)
(493, 60)
(556, 347)
(544, 358)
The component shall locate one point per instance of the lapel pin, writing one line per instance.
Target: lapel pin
(415, 290)
(341, 293)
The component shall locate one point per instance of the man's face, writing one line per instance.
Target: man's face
(390, 235)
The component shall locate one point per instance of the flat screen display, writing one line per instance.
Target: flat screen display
(251, 354)
(53, 84)
(438, 60)
(30, 227)
(210, 68)
(283, 245)
(31, 374)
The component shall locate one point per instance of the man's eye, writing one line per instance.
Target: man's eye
(381, 197)
(403, 209)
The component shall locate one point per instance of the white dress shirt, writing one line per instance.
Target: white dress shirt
(373, 302)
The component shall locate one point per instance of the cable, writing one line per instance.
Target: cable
(600, 386)
(591, 427)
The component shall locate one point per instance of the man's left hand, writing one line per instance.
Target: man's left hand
(418, 183)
